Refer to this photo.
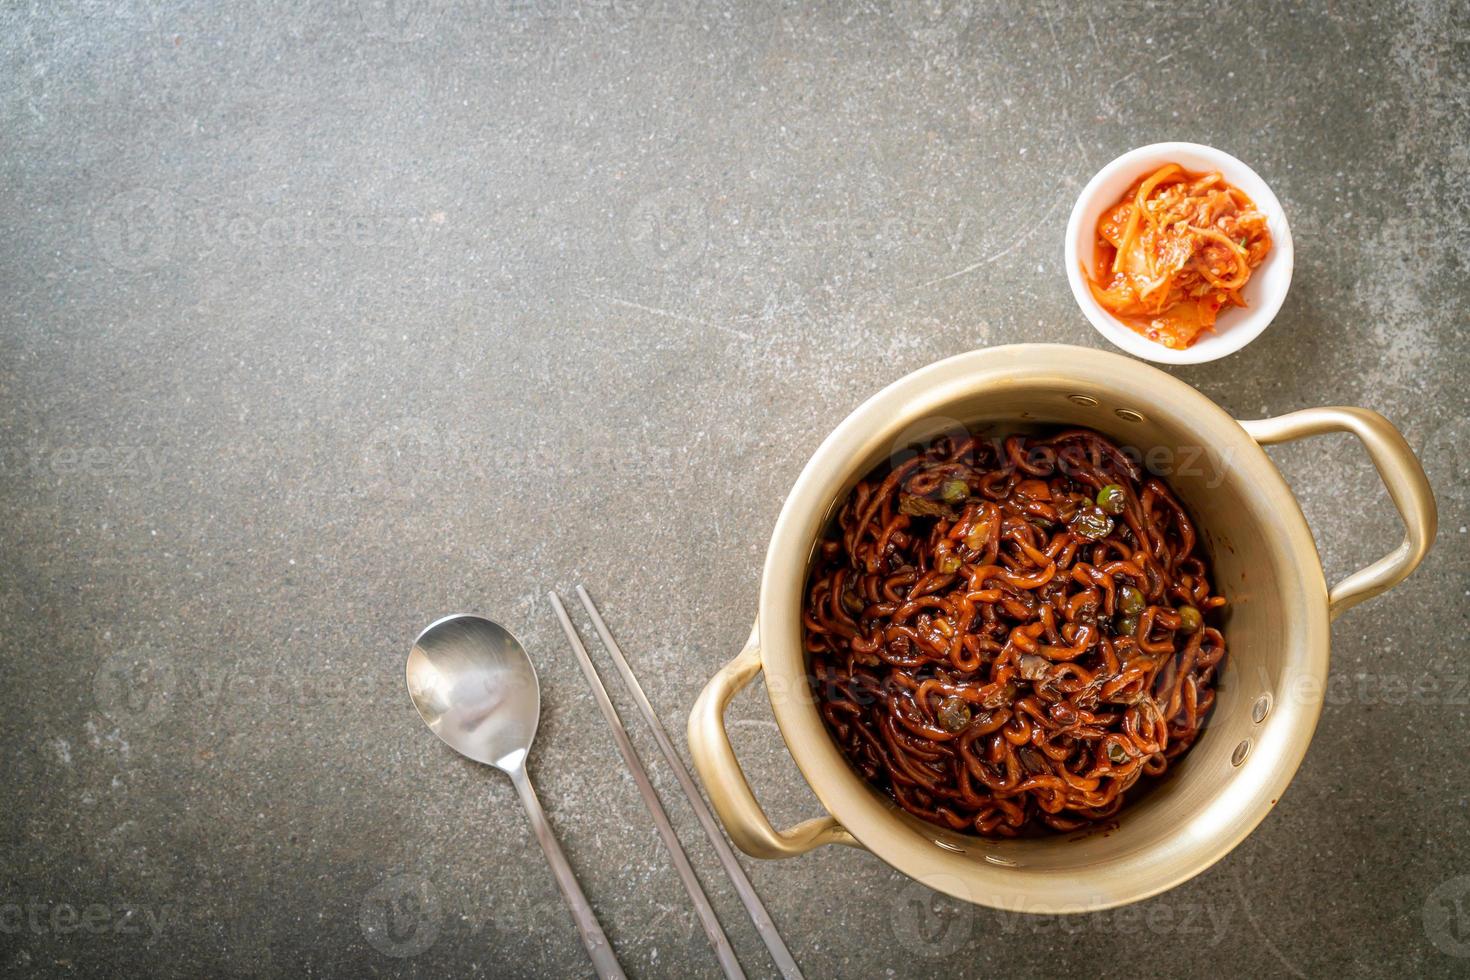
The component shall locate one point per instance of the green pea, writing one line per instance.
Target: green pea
(1112, 499)
(953, 491)
(1189, 619)
(1125, 625)
(954, 714)
(1130, 601)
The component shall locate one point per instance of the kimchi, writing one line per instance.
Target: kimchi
(1176, 250)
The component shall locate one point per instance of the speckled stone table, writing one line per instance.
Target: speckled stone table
(325, 318)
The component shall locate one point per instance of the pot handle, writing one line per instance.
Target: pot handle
(714, 759)
(1401, 473)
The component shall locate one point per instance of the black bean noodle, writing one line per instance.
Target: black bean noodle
(1007, 635)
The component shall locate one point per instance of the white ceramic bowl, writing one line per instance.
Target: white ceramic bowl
(1263, 294)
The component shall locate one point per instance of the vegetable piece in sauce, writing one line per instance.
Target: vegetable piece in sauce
(954, 714)
(1033, 668)
(954, 491)
(1092, 524)
(916, 506)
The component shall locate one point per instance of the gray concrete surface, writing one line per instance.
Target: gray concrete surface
(325, 318)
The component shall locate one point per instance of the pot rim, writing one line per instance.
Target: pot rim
(1226, 818)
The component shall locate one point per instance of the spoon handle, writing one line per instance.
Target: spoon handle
(603, 959)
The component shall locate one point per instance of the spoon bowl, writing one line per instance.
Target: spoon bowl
(475, 687)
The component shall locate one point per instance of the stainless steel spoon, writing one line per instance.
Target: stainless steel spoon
(476, 689)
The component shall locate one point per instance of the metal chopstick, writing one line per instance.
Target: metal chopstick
(723, 950)
(763, 924)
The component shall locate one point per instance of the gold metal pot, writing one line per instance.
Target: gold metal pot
(1264, 561)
